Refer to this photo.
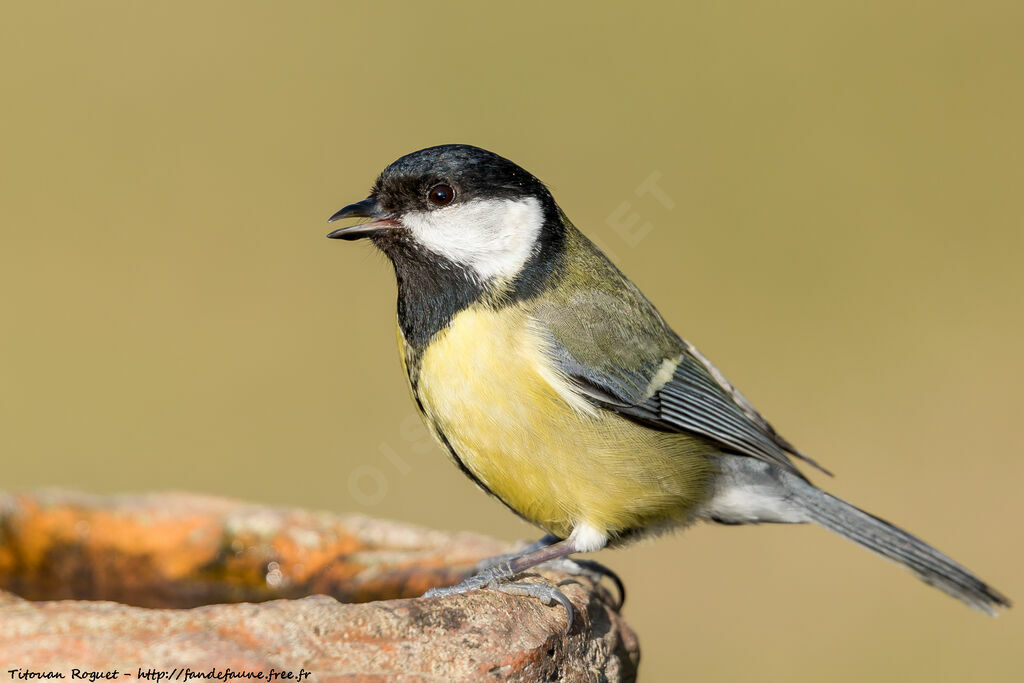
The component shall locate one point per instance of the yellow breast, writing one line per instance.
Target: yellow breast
(487, 385)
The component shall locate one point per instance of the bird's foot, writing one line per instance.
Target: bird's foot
(497, 576)
(548, 595)
(499, 572)
(595, 571)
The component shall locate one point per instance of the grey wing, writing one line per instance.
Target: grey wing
(662, 382)
(748, 409)
(698, 399)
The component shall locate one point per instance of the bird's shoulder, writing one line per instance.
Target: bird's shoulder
(600, 323)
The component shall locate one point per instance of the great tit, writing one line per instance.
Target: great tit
(558, 388)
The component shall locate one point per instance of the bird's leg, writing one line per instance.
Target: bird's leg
(592, 569)
(503, 568)
(497, 559)
(498, 576)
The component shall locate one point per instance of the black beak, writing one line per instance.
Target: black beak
(368, 208)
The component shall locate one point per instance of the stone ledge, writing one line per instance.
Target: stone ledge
(169, 581)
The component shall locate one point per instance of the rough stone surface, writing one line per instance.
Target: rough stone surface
(142, 582)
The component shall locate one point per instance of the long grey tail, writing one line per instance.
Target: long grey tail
(880, 536)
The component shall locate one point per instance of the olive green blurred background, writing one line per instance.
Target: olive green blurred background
(844, 241)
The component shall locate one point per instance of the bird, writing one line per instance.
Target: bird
(555, 385)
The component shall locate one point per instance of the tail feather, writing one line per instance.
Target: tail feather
(891, 542)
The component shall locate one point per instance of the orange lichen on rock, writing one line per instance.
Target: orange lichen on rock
(184, 550)
(184, 554)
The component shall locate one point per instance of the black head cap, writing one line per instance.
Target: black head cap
(472, 172)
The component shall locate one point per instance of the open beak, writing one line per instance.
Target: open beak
(368, 208)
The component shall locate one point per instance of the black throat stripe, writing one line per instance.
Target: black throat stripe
(433, 289)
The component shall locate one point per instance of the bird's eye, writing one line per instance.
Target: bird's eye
(441, 195)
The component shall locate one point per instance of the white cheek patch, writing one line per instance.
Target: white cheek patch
(493, 237)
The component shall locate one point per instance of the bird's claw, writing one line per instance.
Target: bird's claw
(548, 595)
(497, 577)
(594, 571)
